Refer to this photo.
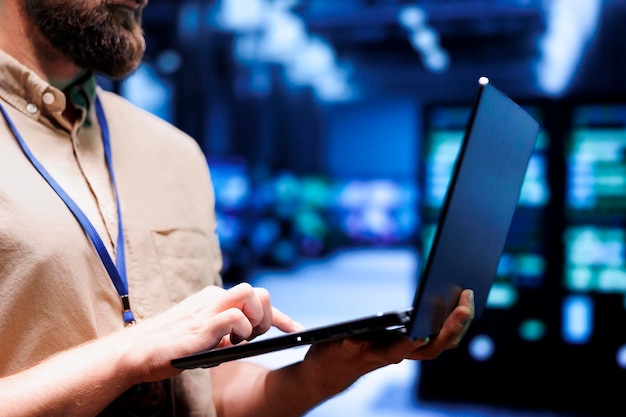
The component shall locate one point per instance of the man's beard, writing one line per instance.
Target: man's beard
(101, 38)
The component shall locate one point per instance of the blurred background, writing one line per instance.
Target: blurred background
(331, 128)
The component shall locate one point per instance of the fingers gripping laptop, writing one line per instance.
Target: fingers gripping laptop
(474, 223)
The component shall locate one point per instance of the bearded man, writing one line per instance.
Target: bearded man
(109, 259)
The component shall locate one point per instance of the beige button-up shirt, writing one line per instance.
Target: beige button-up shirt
(55, 290)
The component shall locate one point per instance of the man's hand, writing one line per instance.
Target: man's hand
(212, 318)
(336, 365)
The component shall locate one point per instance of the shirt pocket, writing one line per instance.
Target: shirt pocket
(189, 260)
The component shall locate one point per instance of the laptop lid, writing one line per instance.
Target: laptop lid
(478, 209)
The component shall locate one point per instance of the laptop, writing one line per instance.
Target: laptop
(472, 229)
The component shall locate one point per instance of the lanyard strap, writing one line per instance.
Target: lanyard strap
(117, 271)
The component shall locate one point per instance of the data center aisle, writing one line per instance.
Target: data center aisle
(351, 284)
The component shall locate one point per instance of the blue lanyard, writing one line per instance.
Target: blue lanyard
(116, 270)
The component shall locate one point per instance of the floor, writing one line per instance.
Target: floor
(348, 285)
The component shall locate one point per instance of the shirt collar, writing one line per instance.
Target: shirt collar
(29, 93)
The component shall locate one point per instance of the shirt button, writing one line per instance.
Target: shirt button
(48, 97)
(140, 311)
(31, 108)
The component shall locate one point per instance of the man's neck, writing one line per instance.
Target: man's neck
(17, 39)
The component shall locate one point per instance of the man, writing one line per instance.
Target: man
(109, 263)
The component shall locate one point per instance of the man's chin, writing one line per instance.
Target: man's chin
(124, 60)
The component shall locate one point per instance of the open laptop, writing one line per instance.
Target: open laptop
(473, 226)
